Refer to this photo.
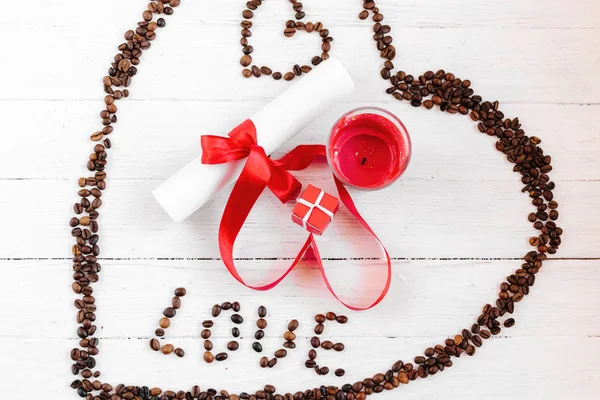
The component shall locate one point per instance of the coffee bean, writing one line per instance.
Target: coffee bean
(176, 303)
(293, 325)
(289, 345)
(509, 322)
(164, 323)
(167, 349)
(97, 136)
(319, 329)
(280, 353)
(339, 347)
(237, 319)
(315, 342)
(221, 357)
(466, 334)
(208, 357)
(257, 347)
(154, 344)
(208, 323)
(261, 323)
(289, 336)
(180, 292)
(272, 362)
(289, 76)
(262, 312)
(327, 345)
(205, 334)
(324, 371)
(320, 318)
(330, 316)
(233, 345)
(226, 306)
(208, 346)
(179, 352)
(341, 319)
(264, 362)
(310, 364)
(470, 350)
(169, 312)
(312, 354)
(419, 360)
(216, 310)
(235, 332)
(259, 334)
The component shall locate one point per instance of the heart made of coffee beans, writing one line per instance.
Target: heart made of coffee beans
(442, 89)
(291, 27)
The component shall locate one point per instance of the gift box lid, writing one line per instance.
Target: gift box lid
(311, 194)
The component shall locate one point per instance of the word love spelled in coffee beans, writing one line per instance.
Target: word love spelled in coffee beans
(440, 90)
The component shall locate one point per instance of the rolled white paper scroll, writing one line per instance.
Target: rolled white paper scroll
(192, 186)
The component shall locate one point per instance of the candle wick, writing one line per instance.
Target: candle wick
(364, 160)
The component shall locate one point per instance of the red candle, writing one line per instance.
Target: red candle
(368, 148)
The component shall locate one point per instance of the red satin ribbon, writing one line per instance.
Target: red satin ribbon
(259, 173)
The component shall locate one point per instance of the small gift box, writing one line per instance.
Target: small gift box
(315, 210)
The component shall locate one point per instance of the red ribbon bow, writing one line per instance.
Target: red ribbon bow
(261, 172)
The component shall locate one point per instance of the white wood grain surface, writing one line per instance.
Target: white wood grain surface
(455, 224)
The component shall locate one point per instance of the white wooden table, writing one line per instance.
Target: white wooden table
(455, 224)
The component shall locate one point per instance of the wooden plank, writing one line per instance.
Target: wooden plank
(523, 66)
(427, 299)
(442, 14)
(413, 218)
(496, 372)
(153, 139)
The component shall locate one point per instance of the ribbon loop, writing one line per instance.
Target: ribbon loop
(261, 172)
(222, 149)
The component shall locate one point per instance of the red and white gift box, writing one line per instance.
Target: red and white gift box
(315, 210)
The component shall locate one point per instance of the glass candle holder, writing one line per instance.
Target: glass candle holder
(368, 148)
